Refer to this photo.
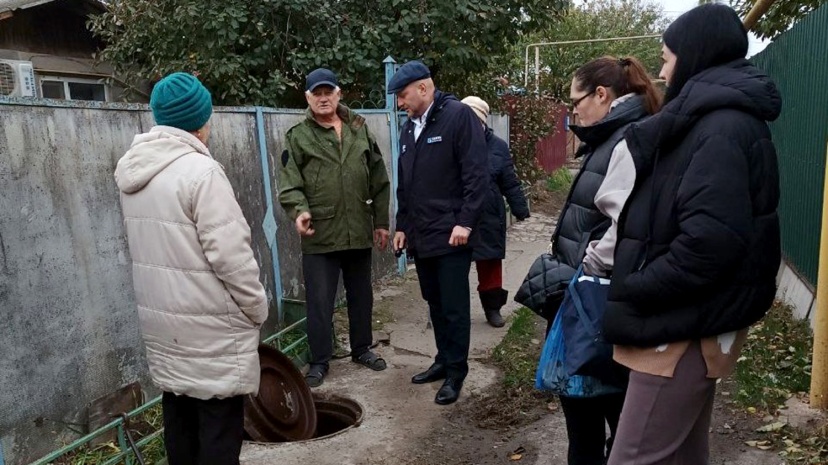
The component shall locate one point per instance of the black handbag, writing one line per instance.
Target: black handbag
(543, 288)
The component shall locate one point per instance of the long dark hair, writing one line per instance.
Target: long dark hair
(623, 76)
(706, 36)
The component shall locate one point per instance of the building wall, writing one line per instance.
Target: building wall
(55, 28)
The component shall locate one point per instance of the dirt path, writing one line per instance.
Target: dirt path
(403, 425)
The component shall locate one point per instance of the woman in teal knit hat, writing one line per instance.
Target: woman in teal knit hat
(181, 101)
(200, 302)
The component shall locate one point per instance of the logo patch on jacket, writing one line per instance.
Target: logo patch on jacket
(434, 140)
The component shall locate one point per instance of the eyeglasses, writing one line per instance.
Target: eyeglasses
(574, 104)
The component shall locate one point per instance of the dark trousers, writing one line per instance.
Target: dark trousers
(321, 273)
(444, 283)
(203, 432)
(585, 427)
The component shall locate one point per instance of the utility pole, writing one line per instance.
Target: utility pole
(819, 363)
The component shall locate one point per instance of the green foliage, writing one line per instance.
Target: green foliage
(775, 362)
(780, 17)
(258, 51)
(594, 20)
(530, 119)
(559, 181)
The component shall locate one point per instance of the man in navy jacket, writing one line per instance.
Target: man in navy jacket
(443, 184)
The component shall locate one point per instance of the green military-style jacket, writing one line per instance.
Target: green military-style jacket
(343, 184)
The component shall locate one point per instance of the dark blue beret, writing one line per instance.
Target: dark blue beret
(408, 73)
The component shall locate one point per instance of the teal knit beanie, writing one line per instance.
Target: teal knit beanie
(180, 100)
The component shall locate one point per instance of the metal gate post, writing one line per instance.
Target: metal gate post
(269, 223)
(394, 126)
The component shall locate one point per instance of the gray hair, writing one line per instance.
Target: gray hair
(336, 89)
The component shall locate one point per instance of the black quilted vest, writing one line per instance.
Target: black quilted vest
(580, 221)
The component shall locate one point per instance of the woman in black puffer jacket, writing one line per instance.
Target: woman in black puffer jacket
(698, 242)
(490, 243)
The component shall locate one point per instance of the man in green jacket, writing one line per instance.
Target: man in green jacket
(334, 185)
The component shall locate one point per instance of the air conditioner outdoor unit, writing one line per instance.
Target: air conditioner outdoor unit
(17, 79)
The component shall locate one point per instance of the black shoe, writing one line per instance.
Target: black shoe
(316, 375)
(449, 392)
(494, 318)
(435, 372)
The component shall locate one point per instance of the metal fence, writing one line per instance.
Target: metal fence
(798, 62)
(128, 449)
(552, 149)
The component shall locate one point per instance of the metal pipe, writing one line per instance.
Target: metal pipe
(819, 363)
(284, 331)
(295, 344)
(569, 42)
(759, 9)
(119, 422)
(537, 69)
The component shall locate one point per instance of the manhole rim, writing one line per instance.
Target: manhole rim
(326, 397)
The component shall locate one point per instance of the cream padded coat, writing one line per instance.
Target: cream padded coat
(200, 302)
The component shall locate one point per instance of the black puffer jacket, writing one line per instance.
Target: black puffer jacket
(581, 222)
(491, 230)
(699, 246)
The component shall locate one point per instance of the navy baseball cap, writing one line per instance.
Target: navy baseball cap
(410, 72)
(320, 77)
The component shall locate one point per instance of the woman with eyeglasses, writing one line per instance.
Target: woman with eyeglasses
(698, 244)
(608, 94)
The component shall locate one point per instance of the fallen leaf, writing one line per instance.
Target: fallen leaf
(771, 427)
(515, 457)
(751, 410)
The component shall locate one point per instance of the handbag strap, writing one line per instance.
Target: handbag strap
(579, 305)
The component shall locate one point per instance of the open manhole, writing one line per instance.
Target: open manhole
(286, 411)
(334, 415)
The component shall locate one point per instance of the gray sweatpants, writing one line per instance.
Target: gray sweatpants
(666, 421)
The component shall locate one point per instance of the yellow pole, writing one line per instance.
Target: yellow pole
(759, 8)
(819, 365)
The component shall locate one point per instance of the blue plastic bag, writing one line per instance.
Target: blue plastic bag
(582, 322)
(552, 374)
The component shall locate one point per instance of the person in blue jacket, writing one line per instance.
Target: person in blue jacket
(490, 247)
(443, 182)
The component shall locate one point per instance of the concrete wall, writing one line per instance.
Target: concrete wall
(796, 291)
(70, 332)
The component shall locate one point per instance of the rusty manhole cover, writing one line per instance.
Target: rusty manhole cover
(284, 409)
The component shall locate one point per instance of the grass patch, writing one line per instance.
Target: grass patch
(140, 427)
(559, 181)
(515, 402)
(776, 365)
(781, 346)
(516, 355)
